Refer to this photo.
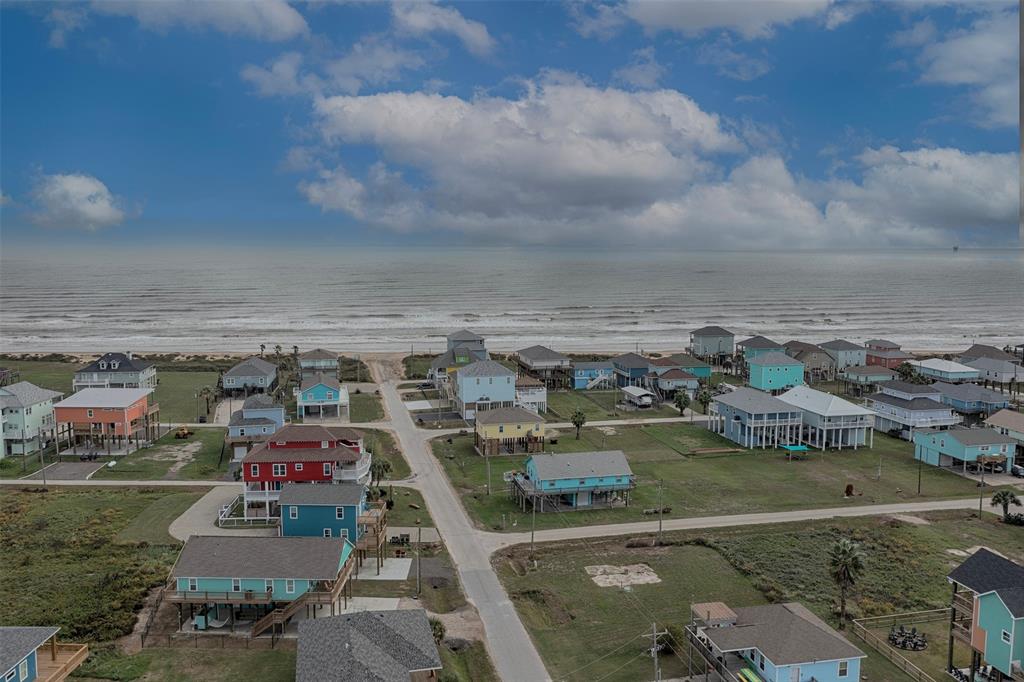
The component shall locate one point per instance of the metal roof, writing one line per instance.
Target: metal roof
(753, 401)
(105, 397)
(367, 646)
(821, 403)
(551, 467)
(219, 556)
(25, 394)
(486, 368)
(251, 367)
(330, 494)
(939, 365)
(18, 642)
(787, 634)
(507, 415)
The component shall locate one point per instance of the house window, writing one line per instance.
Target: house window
(298, 466)
(236, 585)
(89, 413)
(309, 396)
(344, 533)
(330, 395)
(23, 669)
(582, 482)
(280, 469)
(261, 381)
(293, 512)
(241, 432)
(760, 660)
(193, 585)
(324, 444)
(269, 585)
(844, 668)
(327, 468)
(103, 365)
(289, 586)
(984, 448)
(1005, 637)
(339, 512)
(254, 470)
(10, 676)
(501, 428)
(327, 532)
(114, 364)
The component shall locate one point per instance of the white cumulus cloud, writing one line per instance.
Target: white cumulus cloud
(642, 71)
(422, 18)
(272, 20)
(74, 200)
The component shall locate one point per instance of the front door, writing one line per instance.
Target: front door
(794, 674)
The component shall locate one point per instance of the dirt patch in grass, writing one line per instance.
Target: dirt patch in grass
(605, 575)
(549, 605)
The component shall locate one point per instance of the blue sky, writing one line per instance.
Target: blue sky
(701, 124)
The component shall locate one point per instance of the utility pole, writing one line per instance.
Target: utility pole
(533, 529)
(661, 508)
(655, 648)
(981, 491)
(419, 560)
(487, 458)
(920, 462)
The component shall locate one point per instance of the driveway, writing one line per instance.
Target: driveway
(201, 517)
(74, 471)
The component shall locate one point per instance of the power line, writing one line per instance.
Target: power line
(599, 658)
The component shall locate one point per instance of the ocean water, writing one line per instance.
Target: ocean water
(394, 299)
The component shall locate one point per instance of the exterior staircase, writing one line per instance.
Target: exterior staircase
(279, 616)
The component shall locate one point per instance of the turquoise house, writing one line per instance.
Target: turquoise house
(577, 480)
(321, 396)
(988, 613)
(758, 345)
(958, 446)
(33, 653)
(774, 642)
(774, 372)
(322, 510)
(587, 375)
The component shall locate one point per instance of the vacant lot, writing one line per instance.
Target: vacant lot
(416, 366)
(576, 623)
(85, 559)
(598, 406)
(365, 407)
(382, 444)
(705, 484)
(170, 665)
(198, 457)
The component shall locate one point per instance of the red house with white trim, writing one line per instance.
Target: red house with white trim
(302, 453)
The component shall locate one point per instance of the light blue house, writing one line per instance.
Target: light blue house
(252, 375)
(268, 578)
(587, 375)
(775, 372)
(577, 480)
(484, 385)
(258, 419)
(755, 419)
(775, 642)
(971, 400)
(28, 423)
(321, 396)
(988, 613)
(318, 361)
(846, 354)
(958, 446)
(712, 343)
(28, 654)
(945, 370)
(630, 369)
(681, 361)
(322, 510)
(758, 345)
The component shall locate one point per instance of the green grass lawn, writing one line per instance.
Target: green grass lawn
(365, 407)
(402, 514)
(176, 395)
(382, 444)
(350, 369)
(598, 406)
(575, 623)
(472, 664)
(56, 376)
(170, 665)
(194, 458)
(16, 466)
(709, 484)
(416, 366)
(66, 563)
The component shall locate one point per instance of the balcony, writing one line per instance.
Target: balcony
(354, 473)
(176, 596)
(55, 662)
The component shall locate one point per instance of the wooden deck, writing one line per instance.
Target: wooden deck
(56, 661)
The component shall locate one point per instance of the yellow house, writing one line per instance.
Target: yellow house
(508, 430)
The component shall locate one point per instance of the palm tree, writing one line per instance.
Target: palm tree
(379, 470)
(846, 562)
(704, 398)
(906, 371)
(263, 347)
(1004, 498)
(277, 353)
(207, 392)
(682, 401)
(578, 419)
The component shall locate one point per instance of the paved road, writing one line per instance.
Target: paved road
(511, 649)
(100, 483)
(201, 518)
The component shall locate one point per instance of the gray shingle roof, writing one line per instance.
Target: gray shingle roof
(914, 404)
(907, 387)
(795, 346)
(505, 415)
(445, 359)
(753, 401)
(320, 378)
(977, 436)
(985, 571)
(758, 342)
(486, 368)
(330, 494)
(687, 360)
(1004, 366)
(711, 331)
(540, 353)
(238, 418)
(252, 367)
(841, 344)
(464, 335)
(787, 634)
(318, 354)
(969, 393)
(870, 370)
(25, 394)
(631, 361)
(581, 464)
(209, 556)
(603, 364)
(882, 344)
(368, 646)
(774, 358)
(124, 364)
(18, 642)
(259, 401)
(980, 350)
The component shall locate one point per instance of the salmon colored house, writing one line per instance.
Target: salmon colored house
(107, 418)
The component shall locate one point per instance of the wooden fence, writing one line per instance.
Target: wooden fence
(863, 627)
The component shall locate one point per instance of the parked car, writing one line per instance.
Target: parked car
(1017, 470)
(425, 386)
